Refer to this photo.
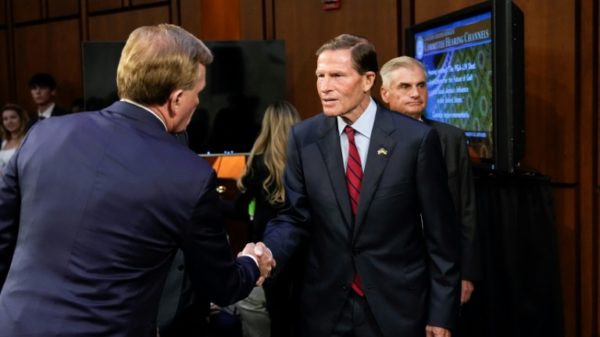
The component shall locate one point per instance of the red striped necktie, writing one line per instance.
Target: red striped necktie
(354, 175)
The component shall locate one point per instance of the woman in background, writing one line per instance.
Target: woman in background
(263, 194)
(14, 121)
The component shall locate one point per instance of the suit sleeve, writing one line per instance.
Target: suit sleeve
(470, 257)
(212, 266)
(285, 233)
(441, 233)
(10, 205)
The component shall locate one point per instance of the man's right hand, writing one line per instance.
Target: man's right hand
(263, 256)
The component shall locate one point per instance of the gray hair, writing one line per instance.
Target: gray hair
(399, 62)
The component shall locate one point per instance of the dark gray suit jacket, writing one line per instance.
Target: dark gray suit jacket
(93, 208)
(409, 269)
(462, 188)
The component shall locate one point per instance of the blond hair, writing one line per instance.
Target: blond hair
(157, 60)
(272, 144)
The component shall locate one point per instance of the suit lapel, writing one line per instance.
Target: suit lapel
(381, 147)
(329, 145)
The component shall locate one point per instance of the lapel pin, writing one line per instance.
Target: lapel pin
(382, 152)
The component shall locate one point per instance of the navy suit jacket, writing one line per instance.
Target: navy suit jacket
(409, 269)
(93, 208)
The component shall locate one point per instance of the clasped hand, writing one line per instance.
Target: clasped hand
(265, 259)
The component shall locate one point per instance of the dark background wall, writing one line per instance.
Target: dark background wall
(562, 72)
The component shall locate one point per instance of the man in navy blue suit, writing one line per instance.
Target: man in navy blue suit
(94, 206)
(383, 261)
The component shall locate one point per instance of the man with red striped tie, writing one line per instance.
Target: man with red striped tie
(358, 178)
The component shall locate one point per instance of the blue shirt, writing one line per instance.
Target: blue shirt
(362, 135)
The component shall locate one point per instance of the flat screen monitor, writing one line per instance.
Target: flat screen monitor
(474, 62)
(244, 78)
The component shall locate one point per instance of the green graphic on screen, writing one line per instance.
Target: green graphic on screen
(458, 59)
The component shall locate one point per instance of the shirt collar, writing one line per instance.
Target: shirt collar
(147, 109)
(47, 113)
(364, 123)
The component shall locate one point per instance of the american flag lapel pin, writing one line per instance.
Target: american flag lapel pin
(382, 152)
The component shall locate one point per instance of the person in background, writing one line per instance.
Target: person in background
(90, 222)
(42, 87)
(14, 121)
(404, 89)
(366, 191)
(267, 313)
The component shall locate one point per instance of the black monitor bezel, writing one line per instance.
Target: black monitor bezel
(508, 76)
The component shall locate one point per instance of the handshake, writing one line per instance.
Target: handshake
(263, 257)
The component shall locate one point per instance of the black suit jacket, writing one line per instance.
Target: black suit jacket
(93, 208)
(409, 269)
(56, 111)
(264, 211)
(462, 188)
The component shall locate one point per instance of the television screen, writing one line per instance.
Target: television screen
(458, 59)
(99, 62)
(244, 78)
(474, 62)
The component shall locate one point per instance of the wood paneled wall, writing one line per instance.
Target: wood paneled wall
(46, 35)
(305, 26)
(585, 245)
(562, 74)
